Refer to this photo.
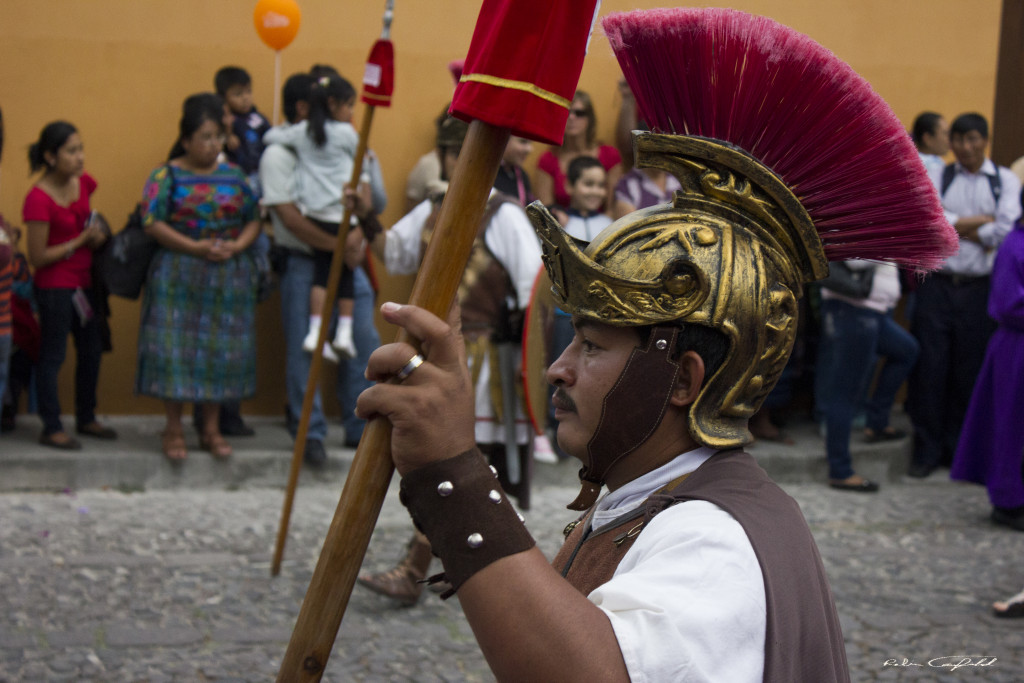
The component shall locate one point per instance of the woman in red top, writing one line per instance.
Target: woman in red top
(61, 239)
(580, 140)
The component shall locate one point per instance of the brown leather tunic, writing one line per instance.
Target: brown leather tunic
(803, 639)
(485, 284)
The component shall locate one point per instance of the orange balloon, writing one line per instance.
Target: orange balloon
(277, 22)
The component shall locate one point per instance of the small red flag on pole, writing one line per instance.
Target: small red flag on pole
(379, 75)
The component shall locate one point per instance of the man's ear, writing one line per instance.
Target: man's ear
(689, 381)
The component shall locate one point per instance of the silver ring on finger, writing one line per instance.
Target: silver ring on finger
(409, 368)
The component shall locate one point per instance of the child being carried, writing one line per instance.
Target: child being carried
(325, 144)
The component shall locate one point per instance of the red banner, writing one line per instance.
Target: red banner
(523, 65)
(379, 76)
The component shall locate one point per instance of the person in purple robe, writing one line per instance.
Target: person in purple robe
(991, 446)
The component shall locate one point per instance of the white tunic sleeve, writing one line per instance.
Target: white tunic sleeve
(403, 241)
(513, 242)
(687, 601)
(289, 135)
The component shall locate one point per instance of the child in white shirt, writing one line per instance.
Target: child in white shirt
(325, 144)
(585, 183)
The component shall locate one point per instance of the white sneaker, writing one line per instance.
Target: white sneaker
(542, 451)
(343, 342)
(309, 343)
(329, 354)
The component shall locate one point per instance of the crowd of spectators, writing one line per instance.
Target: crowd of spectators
(237, 193)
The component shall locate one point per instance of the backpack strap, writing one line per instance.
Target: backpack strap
(947, 178)
(995, 182)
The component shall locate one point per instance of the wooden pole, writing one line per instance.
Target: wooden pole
(366, 485)
(333, 277)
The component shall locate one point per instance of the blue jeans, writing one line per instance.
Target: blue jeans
(296, 281)
(351, 378)
(851, 339)
(57, 319)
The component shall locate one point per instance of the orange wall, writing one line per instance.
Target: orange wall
(119, 70)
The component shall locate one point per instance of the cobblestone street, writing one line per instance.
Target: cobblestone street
(175, 586)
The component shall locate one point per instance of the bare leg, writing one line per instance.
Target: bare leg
(316, 306)
(173, 438)
(212, 440)
(343, 342)
(1012, 607)
(317, 295)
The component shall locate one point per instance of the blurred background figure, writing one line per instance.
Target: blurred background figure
(626, 121)
(325, 144)
(6, 283)
(580, 140)
(640, 188)
(245, 138)
(196, 328)
(62, 233)
(25, 334)
(930, 133)
(495, 290)
(855, 332)
(991, 448)
(950, 321)
(512, 179)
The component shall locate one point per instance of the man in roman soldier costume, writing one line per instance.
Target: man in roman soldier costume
(694, 565)
(492, 296)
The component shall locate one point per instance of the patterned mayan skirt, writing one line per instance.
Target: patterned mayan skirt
(196, 335)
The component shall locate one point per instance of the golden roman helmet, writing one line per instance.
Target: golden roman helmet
(731, 252)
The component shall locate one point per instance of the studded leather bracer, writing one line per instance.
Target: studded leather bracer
(459, 505)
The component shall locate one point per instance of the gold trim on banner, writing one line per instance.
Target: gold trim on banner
(518, 85)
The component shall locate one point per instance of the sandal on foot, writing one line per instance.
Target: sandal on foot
(215, 445)
(1011, 608)
(173, 445)
(60, 440)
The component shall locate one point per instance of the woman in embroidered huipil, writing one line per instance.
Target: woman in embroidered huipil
(196, 331)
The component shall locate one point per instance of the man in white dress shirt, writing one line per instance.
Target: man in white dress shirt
(950, 319)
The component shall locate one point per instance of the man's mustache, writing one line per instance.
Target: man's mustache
(562, 401)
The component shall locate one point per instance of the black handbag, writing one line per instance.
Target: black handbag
(126, 260)
(846, 281)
